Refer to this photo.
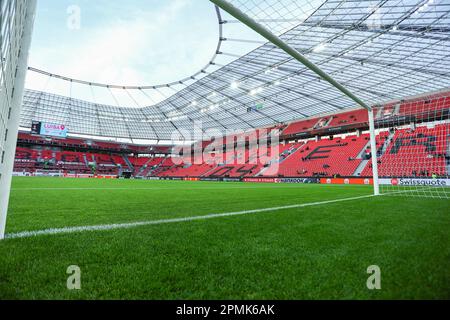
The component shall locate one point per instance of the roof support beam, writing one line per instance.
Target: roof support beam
(264, 97)
(382, 28)
(236, 13)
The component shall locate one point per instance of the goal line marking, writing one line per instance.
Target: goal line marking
(67, 230)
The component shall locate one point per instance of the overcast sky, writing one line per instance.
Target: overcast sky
(133, 42)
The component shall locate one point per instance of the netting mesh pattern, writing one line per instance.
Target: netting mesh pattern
(402, 15)
(12, 19)
(413, 147)
(278, 16)
(397, 36)
(379, 50)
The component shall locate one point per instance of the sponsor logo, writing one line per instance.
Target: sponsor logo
(54, 126)
(423, 182)
(297, 180)
(209, 179)
(334, 129)
(416, 182)
(261, 180)
(51, 129)
(232, 180)
(347, 181)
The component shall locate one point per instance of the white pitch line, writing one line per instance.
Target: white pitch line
(67, 230)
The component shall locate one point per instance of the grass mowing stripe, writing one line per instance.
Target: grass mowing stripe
(55, 231)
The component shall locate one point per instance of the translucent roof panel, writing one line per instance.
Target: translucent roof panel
(380, 50)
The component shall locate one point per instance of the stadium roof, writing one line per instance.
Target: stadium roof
(380, 50)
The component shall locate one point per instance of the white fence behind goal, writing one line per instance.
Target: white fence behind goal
(16, 23)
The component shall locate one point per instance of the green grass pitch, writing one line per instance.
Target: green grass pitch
(315, 252)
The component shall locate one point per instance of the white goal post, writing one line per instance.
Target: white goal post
(260, 29)
(414, 156)
(16, 23)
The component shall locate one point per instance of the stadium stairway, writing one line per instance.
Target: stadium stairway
(261, 173)
(162, 168)
(143, 170)
(423, 149)
(364, 160)
(207, 173)
(383, 141)
(288, 155)
(128, 163)
(85, 160)
(325, 157)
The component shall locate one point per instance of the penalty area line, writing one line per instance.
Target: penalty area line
(105, 227)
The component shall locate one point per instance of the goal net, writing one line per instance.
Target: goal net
(16, 22)
(413, 146)
(370, 52)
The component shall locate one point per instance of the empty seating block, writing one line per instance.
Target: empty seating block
(324, 158)
(418, 153)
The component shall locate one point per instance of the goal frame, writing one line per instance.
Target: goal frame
(275, 40)
(13, 103)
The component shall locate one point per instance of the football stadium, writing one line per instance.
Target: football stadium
(297, 150)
